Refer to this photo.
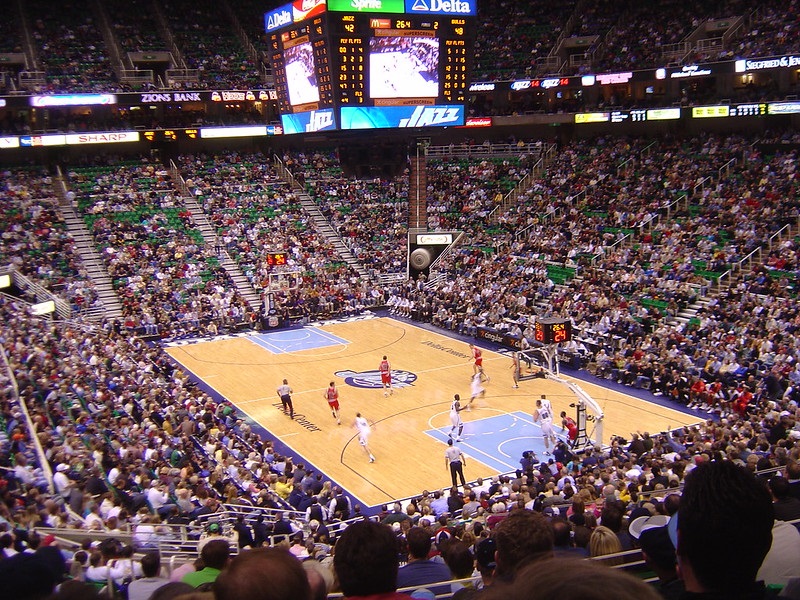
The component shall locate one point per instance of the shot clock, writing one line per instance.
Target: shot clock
(276, 259)
(553, 331)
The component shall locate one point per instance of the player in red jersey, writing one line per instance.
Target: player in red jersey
(477, 365)
(569, 424)
(332, 396)
(386, 376)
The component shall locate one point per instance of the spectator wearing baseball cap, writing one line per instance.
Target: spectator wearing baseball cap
(658, 552)
(485, 563)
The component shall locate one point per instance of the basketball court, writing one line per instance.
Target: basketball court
(413, 424)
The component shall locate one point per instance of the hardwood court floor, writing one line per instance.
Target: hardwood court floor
(247, 370)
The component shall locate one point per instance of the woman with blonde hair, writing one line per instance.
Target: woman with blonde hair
(602, 542)
(325, 493)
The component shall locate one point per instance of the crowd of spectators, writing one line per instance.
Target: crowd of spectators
(250, 15)
(70, 47)
(640, 34)
(129, 438)
(252, 210)
(168, 278)
(135, 26)
(512, 36)
(768, 32)
(620, 236)
(464, 192)
(369, 215)
(682, 238)
(208, 43)
(143, 464)
(35, 240)
(135, 447)
(512, 39)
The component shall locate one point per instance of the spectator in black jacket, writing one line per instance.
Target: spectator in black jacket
(244, 533)
(786, 507)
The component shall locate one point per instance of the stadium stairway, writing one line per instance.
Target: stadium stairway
(329, 233)
(321, 224)
(546, 154)
(251, 50)
(110, 306)
(200, 220)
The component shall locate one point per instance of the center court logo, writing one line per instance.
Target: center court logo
(371, 380)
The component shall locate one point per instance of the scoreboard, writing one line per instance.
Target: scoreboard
(302, 52)
(363, 64)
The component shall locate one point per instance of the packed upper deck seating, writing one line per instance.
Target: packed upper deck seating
(70, 47)
(135, 26)
(208, 43)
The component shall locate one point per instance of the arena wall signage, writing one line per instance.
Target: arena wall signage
(479, 122)
(482, 87)
(380, 117)
(72, 100)
(39, 141)
(228, 132)
(757, 64)
(309, 122)
(783, 108)
(691, 71)
(368, 6)
(614, 78)
(278, 18)
(113, 137)
(484, 333)
(171, 97)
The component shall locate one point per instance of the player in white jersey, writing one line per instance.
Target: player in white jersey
(544, 416)
(517, 367)
(455, 418)
(364, 429)
(477, 389)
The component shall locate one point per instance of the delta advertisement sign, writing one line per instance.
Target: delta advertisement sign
(293, 12)
(279, 17)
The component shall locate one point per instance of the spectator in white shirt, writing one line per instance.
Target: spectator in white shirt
(93, 520)
(22, 471)
(62, 482)
(158, 499)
